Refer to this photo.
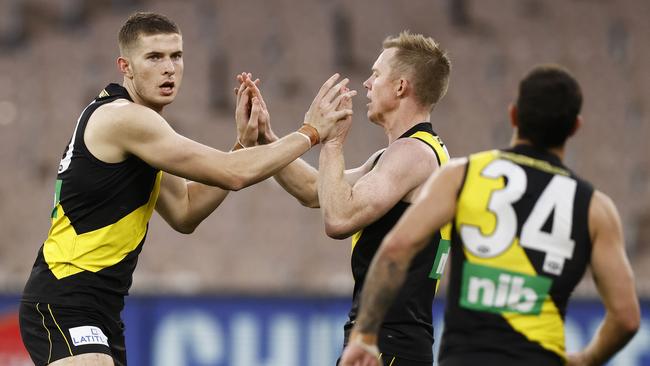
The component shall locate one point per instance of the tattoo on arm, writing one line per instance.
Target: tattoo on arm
(383, 282)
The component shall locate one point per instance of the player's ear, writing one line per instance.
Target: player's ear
(402, 85)
(512, 111)
(125, 67)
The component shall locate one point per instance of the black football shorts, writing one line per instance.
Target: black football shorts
(52, 332)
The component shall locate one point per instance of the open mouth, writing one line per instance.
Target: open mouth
(167, 87)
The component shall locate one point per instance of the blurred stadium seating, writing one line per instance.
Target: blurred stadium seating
(56, 55)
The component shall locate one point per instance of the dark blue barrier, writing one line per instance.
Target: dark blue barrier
(243, 331)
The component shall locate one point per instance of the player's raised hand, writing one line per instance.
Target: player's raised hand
(266, 134)
(247, 112)
(323, 112)
(341, 129)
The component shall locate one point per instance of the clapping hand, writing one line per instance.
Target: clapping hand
(327, 109)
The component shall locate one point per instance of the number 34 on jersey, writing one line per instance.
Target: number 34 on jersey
(512, 206)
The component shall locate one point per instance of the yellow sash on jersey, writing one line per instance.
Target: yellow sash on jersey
(546, 328)
(68, 253)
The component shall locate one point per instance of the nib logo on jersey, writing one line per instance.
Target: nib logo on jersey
(499, 291)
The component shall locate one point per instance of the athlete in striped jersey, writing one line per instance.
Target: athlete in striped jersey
(409, 77)
(110, 180)
(525, 228)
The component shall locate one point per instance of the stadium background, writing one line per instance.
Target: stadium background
(259, 283)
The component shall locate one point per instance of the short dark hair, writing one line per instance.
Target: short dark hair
(144, 23)
(548, 106)
(425, 62)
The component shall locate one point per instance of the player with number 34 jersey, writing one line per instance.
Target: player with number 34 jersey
(522, 244)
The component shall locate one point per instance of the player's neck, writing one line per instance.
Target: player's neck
(402, 120)
(128, 85)
(557, 151)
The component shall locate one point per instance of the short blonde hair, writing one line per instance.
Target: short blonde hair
(424, 61)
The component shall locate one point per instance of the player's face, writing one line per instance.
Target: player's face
(157, 68)
(382, 87)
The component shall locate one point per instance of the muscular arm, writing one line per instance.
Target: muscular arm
(300, 179)
(349, 207)
(142, 132)
(615, 282)
(434, 207)
(185, 204)
(121, 129)
(131, 129)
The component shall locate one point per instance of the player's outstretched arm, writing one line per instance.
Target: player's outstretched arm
(142, 132)
(615, 282)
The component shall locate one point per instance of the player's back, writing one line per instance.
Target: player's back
(520, 245)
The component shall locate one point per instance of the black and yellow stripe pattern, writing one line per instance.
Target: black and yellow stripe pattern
(500, 288)
(68, 252)
(99, 223)
(445, 233)
(408, 330)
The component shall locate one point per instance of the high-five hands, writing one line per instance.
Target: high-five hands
(326, 108)
(332, 104)
(342, 128)
(266, 134)
(248, 112)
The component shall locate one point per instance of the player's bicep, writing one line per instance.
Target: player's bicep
(148, 136)
(609, 263)
(353, 175)
(393, 177)
(379, 190)
(173, 196)
(434, 207)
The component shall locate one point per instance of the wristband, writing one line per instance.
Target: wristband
(358, 339)
(309, 131)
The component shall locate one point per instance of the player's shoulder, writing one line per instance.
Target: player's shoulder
(603, 214)
(122, 113)
(602, 204)
(486, 154)
(409, 159)
(121, 108)
(410, 149)
(408, 156)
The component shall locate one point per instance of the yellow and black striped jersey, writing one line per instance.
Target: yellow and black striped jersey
(407, 331)
(520, 244)
(99, 223)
